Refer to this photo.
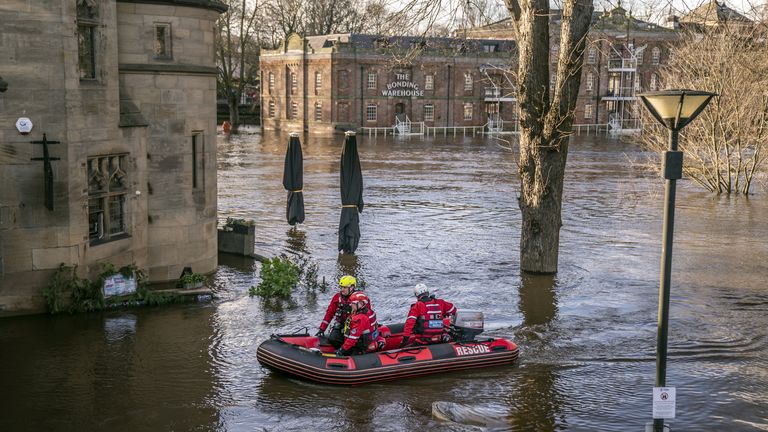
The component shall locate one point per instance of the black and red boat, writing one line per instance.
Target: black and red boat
(312, 358)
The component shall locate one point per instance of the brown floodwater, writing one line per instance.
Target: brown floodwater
(442, 211)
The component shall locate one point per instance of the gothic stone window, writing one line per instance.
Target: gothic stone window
(87, 22)
(271, 108)
(163, 41)
(107, 192)
(271, 83)
(318, 82)
(294, 83)
(318, 111)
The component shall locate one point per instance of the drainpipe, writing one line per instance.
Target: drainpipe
(448, 102)
(362, 101)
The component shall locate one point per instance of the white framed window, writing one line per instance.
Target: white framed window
(271, 83)
(588, 111)
(318, 81)
(294, 83)
(107, 192)
(554, 51)
(163, 41)
(468, 82)
(371, 113)
(318, 111)
(654, 82)
(589, 85)
(552, 81)
(371, 80)
(592, 55)
(294, 110)
(640, 56)
(429, 112)
(271, 109)
(429, 82)
(489, 48)
(637, 82)
(468, 108)
(655, 55)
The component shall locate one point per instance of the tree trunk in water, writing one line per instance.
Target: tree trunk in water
(234, 114)
(545, 124)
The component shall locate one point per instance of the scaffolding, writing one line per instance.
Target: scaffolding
(622, 103)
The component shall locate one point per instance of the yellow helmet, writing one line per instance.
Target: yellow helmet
(347, 281)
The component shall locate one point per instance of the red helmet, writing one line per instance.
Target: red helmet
(359, 299)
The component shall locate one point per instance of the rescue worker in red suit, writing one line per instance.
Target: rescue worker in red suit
(360, 337)
(338, 311)
(424, 324)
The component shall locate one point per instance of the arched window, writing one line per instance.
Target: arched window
(655, 55)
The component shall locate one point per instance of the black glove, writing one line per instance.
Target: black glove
(340, 352)
(404, 342)
(320, 333)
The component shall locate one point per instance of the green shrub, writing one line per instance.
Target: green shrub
(193, 278)
(279, 276)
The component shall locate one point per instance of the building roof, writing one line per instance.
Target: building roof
(713, 13)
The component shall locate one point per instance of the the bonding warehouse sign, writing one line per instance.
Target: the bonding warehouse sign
(403, 87)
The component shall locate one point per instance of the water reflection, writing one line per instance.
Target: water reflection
(296, 241)
(538, 302)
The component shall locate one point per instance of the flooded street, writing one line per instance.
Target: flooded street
(442, 211)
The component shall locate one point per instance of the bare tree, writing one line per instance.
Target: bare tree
(726, 148)
(285, 16)
(545, 121)
(236, 55)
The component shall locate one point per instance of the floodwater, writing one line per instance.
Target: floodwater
(441, 211)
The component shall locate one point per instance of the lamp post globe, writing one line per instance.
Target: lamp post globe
(674, 109)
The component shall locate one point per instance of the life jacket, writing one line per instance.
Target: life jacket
(429, 324)
(360, 336)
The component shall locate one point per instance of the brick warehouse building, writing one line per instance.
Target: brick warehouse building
(347, 81)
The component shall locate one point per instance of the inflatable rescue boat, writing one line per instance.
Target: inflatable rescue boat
(312, 358)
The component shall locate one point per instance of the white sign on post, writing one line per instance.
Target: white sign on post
(663, 402)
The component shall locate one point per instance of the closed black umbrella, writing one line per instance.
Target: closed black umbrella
(293, 180)
(351, 195)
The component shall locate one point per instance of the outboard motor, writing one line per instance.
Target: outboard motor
(466, 324)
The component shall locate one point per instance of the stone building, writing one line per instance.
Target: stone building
(128, 89)
(349, 81)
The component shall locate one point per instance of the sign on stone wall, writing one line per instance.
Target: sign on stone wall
(117, 285)
(403, 86)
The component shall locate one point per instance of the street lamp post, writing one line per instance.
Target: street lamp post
(674, 109)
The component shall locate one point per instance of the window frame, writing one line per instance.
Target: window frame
(656, 56)
(592, 55)
(429, 82)
(318, 111)
(371, 112)
(167, 53)
(108, 198)
(469, 82)
(429, 112)
(588, 111)
(372, 81)
(198, 160)
(471, 110)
